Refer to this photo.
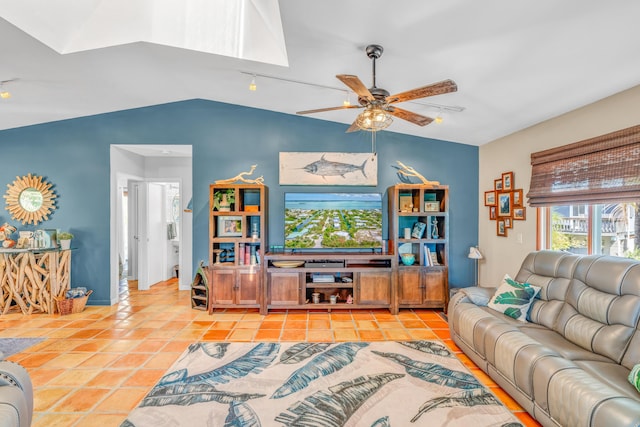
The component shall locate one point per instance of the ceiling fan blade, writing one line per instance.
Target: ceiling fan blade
(445, 86)
(319, 110)
(356, 85)
(414, 118)
(353, 128)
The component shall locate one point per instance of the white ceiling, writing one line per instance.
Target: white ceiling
(516, 63)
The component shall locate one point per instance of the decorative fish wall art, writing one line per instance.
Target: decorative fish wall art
(298, 168)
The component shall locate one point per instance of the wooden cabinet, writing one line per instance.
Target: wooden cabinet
(224, 288)
(355, 280)
(284, 288)
(373, 288)
(235, 287)
(419, 225)
(422, 287)
(237, 238)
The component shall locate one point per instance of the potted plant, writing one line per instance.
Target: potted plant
(64, 237)
(223, 199)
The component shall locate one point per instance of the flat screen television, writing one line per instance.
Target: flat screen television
(332, 221)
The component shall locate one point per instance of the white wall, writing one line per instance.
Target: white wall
(512, 153)
(124, 165)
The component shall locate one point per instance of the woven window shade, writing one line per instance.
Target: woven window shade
(597, 170)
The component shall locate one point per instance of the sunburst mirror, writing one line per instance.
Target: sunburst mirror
(30, 199)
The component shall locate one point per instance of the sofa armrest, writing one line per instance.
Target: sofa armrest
(16, 394)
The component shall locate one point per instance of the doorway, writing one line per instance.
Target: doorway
(151, 235)
(154, 236)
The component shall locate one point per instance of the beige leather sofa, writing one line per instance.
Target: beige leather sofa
(568, 365)
(16, 396)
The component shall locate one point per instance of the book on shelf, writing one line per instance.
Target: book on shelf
(434, 258)
(427, 256)
(241, 251)
(418, 230)
(430, 258)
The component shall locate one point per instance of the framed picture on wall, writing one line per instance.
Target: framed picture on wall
(519, 213)
(501, 228)
(508, 223)
(505, 204)
(492, 213)
(489, 198)
(517, 197)
(497, 184)
(507, 181)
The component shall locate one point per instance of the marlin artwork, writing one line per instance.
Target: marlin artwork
(326, 168)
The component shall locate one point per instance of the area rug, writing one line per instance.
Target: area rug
(373, 384)
(9, 346)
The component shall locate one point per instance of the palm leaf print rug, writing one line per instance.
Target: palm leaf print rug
(377, 384)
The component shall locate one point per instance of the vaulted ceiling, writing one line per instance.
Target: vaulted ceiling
(515, 63)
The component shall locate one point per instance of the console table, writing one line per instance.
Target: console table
(30, 279)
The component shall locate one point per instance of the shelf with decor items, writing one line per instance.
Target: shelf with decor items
(237, 238)
(419, 239)
(309, 280)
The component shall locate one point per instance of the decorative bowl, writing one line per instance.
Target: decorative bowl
(287, 264)
(408, 259)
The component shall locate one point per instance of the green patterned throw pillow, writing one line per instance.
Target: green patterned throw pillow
(634, 377)
(513, 298)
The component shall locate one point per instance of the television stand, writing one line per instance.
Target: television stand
(355, 280)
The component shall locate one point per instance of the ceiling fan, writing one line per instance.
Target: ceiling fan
(378, 103)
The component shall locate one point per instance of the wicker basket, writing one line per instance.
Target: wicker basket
(72, 305)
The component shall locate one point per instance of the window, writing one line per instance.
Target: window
(588, 193)
(608, 229)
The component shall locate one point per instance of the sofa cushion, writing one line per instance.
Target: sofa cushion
(479, 296)
(560, 344)
(602, 306)
(513, 298)
(552, 272)
(634, 377)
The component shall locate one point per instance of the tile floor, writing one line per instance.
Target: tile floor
(95, 366)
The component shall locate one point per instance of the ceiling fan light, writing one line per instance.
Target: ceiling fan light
(252, 86)
(4, 94)
(347, 101)
(374, 119)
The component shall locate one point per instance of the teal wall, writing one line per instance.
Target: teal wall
(226, 139)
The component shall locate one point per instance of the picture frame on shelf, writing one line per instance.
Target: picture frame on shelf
(520, 213)
(490, 198)
(505, 204)
(229, 226)
(501, 229)
(405, 203)
(517, 197)
(432, 206)
(492, 213)
(497, 184)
